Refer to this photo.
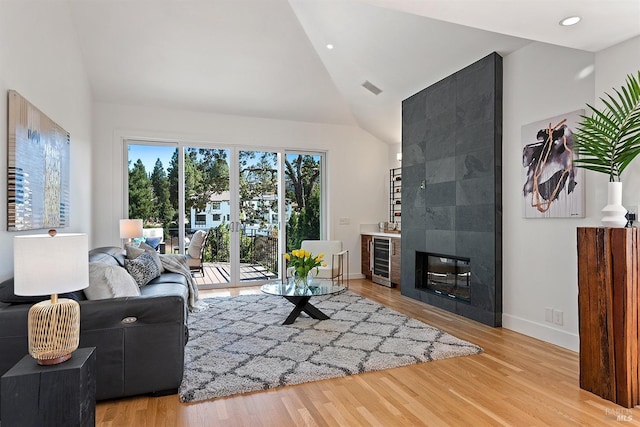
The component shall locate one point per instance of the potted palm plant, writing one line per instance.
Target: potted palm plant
(609, 140)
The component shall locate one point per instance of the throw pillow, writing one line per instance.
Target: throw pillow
(143, 268)
(110, 281)
(195, 246)
(134, 252)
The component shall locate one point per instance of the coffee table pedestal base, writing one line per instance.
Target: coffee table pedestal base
(302, 304)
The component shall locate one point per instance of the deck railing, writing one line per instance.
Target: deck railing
(254, 248)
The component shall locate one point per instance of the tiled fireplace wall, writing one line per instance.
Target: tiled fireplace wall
(452, 184)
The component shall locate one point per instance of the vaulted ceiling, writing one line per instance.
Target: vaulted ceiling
(269, 58)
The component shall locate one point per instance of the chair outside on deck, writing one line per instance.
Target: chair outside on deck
(334, 257)
(195, 251)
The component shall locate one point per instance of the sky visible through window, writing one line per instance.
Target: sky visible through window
(150, 153)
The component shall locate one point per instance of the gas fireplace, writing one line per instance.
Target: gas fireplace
(444, 275)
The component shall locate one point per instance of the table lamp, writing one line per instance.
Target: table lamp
(130, 229)
(50, 264)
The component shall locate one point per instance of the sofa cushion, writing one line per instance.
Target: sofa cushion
(164, 289)
(8, 296)
(108, 254)
(143, 268)
(110, 281)
(168, 277)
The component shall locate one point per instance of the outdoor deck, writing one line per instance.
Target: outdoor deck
(218, 274)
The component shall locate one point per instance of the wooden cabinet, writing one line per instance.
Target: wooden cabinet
(608, 298)
(365, 241)
(395, 261)
(366, 248)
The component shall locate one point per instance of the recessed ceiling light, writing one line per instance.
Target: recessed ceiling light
(329, 46)
(571, 20)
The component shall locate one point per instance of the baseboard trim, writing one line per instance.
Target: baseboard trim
(546, 333)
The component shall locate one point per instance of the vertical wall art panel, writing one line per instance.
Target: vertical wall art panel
(553, 185)
(38, 169)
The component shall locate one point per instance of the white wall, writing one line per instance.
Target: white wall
(612, 67)
(540, 259)
(357, 162)
(39, 58)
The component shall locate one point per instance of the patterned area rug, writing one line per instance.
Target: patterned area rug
(239, 345)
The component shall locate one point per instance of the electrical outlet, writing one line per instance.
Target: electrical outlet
(632, 214)
(558, 317)
(548, 314)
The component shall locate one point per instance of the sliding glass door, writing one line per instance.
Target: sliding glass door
(258, 221)
(252, 204)
(304, 197)
(153, 192)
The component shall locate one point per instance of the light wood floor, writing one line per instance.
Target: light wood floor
(518, 381)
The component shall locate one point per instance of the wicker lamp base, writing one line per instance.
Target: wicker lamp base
(54, 330)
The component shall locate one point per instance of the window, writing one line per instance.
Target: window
(304, 206)
(201, 220)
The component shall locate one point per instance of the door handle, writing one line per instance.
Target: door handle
(371, 255)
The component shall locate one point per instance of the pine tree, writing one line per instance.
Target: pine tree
(160, 183)
(141, 197)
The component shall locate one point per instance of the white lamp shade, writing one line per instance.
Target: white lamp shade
(45, 265)
(130, 228)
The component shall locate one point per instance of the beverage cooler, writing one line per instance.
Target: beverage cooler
(380, 260)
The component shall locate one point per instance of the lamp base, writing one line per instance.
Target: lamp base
(54, 330)
(56, 361)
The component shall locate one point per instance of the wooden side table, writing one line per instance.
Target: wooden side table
(608, 308)
(58, 395)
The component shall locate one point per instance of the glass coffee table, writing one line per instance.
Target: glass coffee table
(300, 296)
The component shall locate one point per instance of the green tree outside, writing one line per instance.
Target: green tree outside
(141, 197)
(160, 183)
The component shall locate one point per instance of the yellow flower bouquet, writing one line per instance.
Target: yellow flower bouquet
(302, 263)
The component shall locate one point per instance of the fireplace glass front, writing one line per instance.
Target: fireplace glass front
(444, 275)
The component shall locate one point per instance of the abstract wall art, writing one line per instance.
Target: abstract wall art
(553, 186)
(37, 168)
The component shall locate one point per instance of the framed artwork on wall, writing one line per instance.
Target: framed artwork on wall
(553, 185)
(37, 168)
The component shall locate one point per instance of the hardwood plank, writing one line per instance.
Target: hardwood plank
(518, 380)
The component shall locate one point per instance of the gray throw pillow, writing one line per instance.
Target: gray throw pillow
(134, 252)
(143, 269)
(110, 281)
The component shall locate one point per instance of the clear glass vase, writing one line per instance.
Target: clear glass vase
(301, 281)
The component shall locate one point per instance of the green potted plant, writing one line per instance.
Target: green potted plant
(609, 140)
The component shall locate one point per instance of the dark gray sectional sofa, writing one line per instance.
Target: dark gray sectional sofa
(142, 355)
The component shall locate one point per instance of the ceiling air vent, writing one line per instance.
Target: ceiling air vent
(371, 87)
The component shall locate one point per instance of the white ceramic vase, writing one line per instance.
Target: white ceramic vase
(614, 214)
